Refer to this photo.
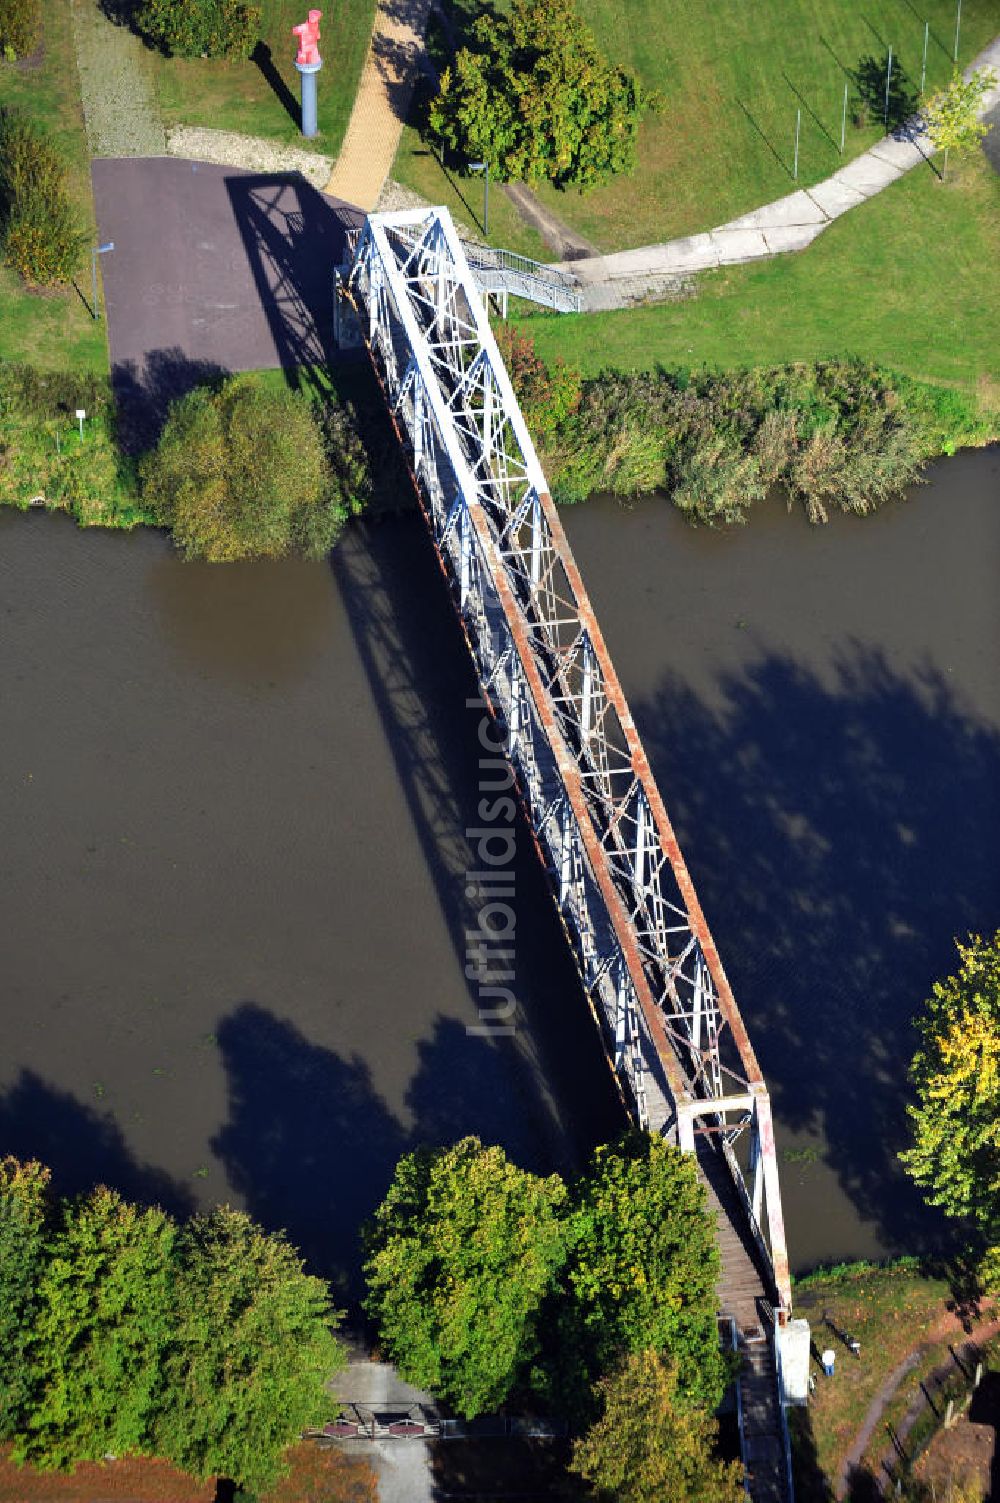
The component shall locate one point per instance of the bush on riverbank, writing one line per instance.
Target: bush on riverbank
(248, 471)
(836, 435)
(128, 1334)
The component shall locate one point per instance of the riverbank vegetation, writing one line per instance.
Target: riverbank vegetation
(839, 434)
(126, 1333)
(244, 468)
(254, 471)
(955, 1121)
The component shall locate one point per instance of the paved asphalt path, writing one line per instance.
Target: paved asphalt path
(214, 269)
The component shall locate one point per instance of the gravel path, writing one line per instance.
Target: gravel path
(119, 102)
(196, 143)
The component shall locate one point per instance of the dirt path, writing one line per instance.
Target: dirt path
(557, 234)
(881, 1400)
(381, 103)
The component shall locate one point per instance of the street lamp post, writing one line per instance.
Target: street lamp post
(98, 250)
(484, 168)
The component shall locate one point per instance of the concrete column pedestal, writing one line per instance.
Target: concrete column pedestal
(308, 73)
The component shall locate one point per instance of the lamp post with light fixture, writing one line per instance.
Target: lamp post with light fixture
(484, 168)
(98, 250)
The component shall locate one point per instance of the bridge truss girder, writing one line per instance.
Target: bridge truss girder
(640, 941)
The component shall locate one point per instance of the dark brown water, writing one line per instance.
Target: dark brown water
(232, 805)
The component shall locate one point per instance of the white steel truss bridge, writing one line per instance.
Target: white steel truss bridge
(649, 967)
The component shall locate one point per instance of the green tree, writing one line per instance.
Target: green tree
(252, 472)
(252, 1350)
(24, 1214)
(642, 1272)
(534, 97)
(955, 1157)
(200, 28)
(103, 1323)
(460, 1256)
(649, 1444)
(952, 114)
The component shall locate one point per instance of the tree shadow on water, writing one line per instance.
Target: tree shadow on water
(309, 1143)
(841, 835)
(311, 1146)
(82, 1147)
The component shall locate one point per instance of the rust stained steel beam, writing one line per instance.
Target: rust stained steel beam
(665, 830)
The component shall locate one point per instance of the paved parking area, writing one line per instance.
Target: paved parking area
(213, 269)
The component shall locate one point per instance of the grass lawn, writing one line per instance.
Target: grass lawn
(890, 1311)
(912, 279)
(52, 328)
(733, 75)
(417, 167)
(262, 99)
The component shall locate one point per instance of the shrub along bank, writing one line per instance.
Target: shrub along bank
(836, 435)
(246, 469)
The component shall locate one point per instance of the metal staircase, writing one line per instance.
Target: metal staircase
(501, 271)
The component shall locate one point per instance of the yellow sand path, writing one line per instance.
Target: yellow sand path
(382, 100)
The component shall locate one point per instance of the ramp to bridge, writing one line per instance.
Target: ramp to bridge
(649, 967)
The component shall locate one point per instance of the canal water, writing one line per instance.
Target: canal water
(233, 850)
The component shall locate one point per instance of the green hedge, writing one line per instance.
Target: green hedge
(201, 28)
(41, 233)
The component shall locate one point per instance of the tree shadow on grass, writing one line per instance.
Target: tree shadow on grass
(841, 833)
(870, 105)
(143, 393)
(81, 1146)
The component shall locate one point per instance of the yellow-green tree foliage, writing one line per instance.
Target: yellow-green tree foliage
(461, 1254)
(955, 1156)
(252, 472)
(24, 1213)
(952, 114)
(649, 1444)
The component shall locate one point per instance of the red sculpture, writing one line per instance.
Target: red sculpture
(308, 35)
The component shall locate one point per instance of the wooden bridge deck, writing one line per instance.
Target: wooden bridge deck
(745, 1297)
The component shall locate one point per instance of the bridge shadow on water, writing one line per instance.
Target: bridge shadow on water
(309, 1143)
(841, 834)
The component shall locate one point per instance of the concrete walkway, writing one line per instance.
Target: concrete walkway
(381, 103)
(120, 112)
(789, 224)
(403, 1467)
